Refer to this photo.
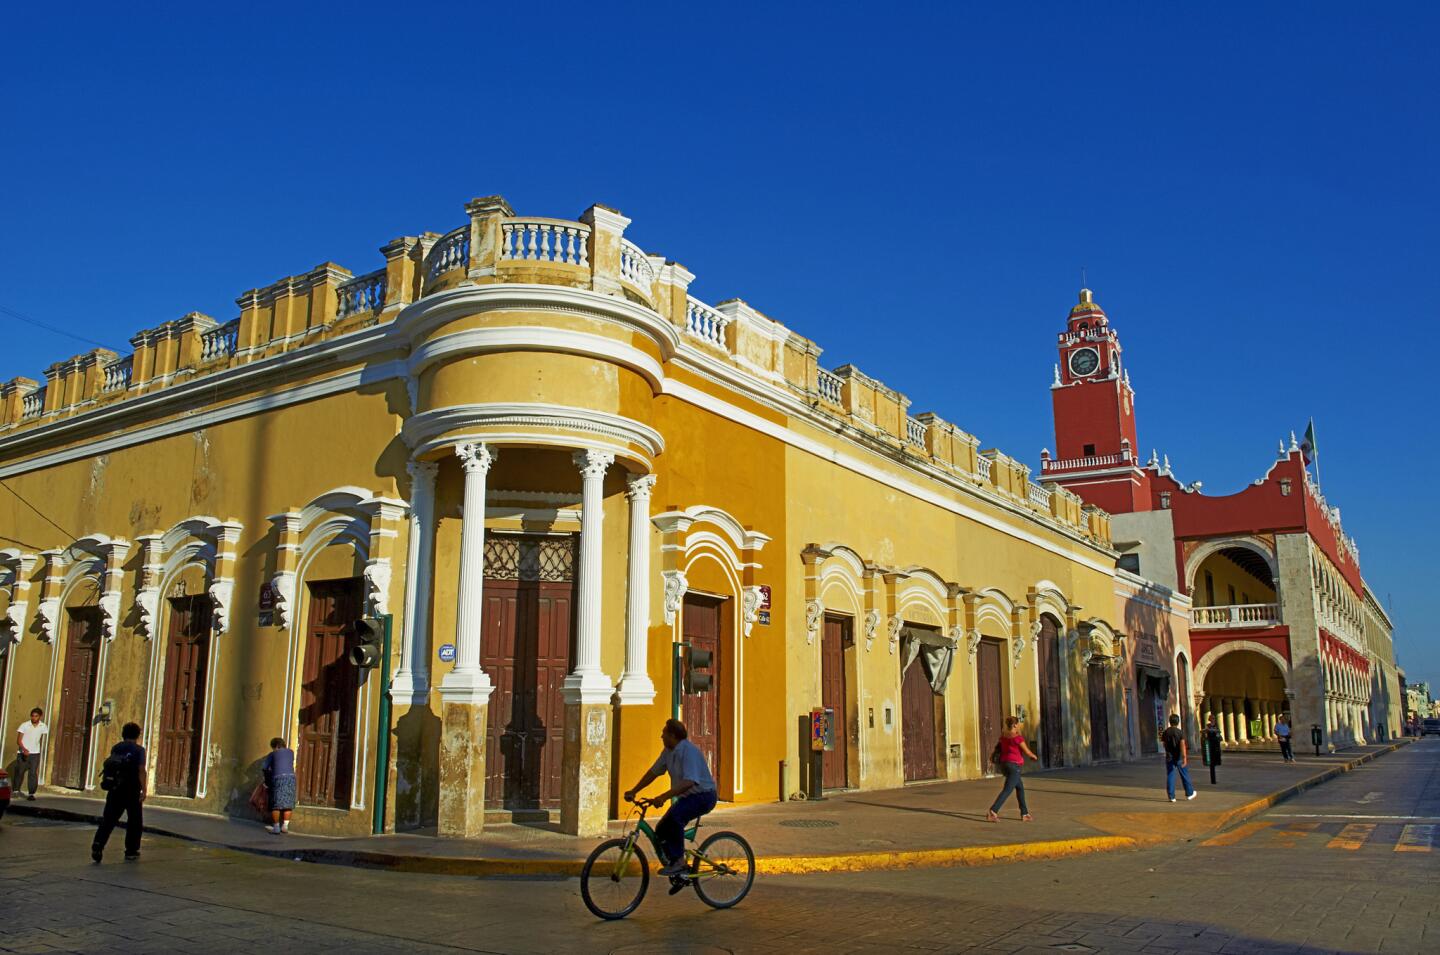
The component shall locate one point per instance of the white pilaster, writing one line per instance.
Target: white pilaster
(467, 683)
(635, 684)
(588, 684)
(411, 682)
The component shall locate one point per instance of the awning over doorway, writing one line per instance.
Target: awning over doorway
(1155, 675)
(935, 651)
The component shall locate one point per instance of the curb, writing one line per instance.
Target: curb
(773, 865)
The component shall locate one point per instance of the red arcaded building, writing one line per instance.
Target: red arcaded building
(1281, 618)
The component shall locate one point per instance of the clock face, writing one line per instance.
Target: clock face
(1084, 361)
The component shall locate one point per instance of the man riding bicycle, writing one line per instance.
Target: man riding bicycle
(691, 786)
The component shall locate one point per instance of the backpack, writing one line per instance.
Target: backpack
(116, 772)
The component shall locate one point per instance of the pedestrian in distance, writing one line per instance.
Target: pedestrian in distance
(1177, 756)
(28, 739)
(279, 770)
(125, 781)
(1282, 732)
(1009, 757)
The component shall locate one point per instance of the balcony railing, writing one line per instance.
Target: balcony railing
(1040, 496)
(829, 385)
(914, 432)
(452, 251)
(1085, 464)
(117, 374)
(365, 293)
(1236, 615)
(984, 466)
(32, 404)
(636, 267)
(705, 323)
(546, 240)
(220, 342)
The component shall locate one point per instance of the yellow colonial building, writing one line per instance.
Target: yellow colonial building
(585, 499)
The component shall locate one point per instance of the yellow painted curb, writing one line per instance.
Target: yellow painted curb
(937, 858)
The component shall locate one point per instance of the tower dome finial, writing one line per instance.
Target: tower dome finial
(1087, 297)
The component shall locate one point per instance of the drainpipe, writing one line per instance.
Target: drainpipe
(382, 755)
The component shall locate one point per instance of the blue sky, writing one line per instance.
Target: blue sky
(1254, 189)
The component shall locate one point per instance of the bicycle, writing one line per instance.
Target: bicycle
(617, 874)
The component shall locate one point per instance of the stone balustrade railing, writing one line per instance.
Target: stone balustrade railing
(33, 404)
(545, 240)
(705, 323)
(914, 431)
(1236, 615)
(452, 251)
(117, 374)
(1082, 464)
(365, 293)
(635, 266)
(1040, 496)
(829, 385)
(984, 466)
(220, 342)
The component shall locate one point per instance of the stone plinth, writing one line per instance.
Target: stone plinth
(585, 796)
(462, 770)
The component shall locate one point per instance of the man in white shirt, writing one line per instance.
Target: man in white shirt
(28, 739)
(691, 786)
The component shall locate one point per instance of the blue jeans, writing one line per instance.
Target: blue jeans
(1013, 784)
(1172, 767)
(671, 830)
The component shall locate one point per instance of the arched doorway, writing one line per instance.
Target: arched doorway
(1245, 693)
(1052, 731)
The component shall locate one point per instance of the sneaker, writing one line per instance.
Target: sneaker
(274, 829)
(674, 868)
(132, 857)
(1172, 798)
(30, 797)
(97, 854)
(1192, 795)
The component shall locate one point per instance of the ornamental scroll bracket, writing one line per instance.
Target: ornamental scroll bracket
(751, 605)
(675, 587)
(972, 645)
(814, 611)
(895, 625)
(872, 625)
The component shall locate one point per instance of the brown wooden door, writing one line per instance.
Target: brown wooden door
(77, 696)
(1182, 694)
(1052, 730)
(1099, 713)
(526, 647)
(833, 695)
(700, 627)
(1146, 716)
(328, 695)
(990, 699)
(917, 723)
(182, 702)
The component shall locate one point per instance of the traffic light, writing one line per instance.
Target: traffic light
(366, 636)
(697, 663)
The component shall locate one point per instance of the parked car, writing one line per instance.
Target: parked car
(1430, 725)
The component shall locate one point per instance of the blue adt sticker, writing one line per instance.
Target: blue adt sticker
(447, 653)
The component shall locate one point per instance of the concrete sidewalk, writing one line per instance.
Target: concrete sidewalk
(1093, 809)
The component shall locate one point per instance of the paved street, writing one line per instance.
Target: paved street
(1353, 865)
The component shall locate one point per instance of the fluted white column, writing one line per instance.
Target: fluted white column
(635, 684)
(588, 684)
(411, 682)
(467, 683)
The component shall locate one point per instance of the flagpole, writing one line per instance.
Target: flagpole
(1315, 450)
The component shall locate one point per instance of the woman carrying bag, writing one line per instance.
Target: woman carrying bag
(1009, 756)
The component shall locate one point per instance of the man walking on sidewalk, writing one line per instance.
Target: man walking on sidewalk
(1176, 756)
(28, 738)
(124, 780)
(1282, 730)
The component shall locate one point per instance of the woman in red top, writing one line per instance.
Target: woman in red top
(1010, 756)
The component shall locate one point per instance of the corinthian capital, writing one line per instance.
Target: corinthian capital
(475, 456)
(639, 487)
(592, 463)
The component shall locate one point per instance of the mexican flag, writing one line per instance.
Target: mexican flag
(1307, 445)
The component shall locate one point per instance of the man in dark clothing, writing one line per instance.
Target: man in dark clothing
(1176, 757)
(127, 791)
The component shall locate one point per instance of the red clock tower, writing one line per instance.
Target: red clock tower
(1094, 409)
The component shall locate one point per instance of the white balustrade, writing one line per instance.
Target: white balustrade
(1236, 615)
(1040, 497)
(914, 431)
(704, 323)
(32, 404)
(220, 342)
(452, 251)
(1093, 461)
(829, 385)
(117, 374)
(546, 240)
(635, 266)
(985, 466)
(365, 293)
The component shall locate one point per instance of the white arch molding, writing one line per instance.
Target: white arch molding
(1244, 542)
(1203, 665)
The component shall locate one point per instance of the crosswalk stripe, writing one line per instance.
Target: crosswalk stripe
(1290, 836)
(1352, 836)
(1237, 834)
(1415, 839)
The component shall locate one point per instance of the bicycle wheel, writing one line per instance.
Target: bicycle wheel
(726, 870)
(614, 881)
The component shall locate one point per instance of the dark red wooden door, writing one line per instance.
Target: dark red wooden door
(328, 695)
(182, 702)
(1052, 731)
(526, 647)
(700, 712)
(1182, 694)
(1099, 713)
(917, 723)
(77, 696)
(833, 695)
(990, 698)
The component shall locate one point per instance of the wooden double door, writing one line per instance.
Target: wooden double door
(700, 626)
(527, 647)
(74, 716)
(1052, 730)
(329, 690)
(990, 697)
(922, 724)
(182, 701)
(1099, 712)
(834, 695)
